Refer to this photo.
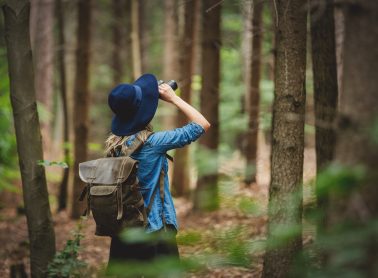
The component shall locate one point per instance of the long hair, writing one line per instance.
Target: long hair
(114, 142)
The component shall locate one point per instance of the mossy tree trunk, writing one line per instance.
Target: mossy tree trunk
(325, 89)
(206, 195)
(181, 176)
(354, 203)
(28, 135)
(61, 53)
(81, 104)
(253, 90)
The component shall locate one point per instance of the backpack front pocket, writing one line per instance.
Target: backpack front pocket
(104, 205)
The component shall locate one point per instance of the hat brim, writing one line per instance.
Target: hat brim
(146, 111)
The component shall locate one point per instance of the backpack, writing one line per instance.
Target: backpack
(113, 194)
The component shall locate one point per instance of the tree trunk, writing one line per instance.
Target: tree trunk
(206, 195)
(356, 205)
(181, 176)
(170, 59)
(285, 192)
(253, 89)
(339, 34)
(81, 105)
(28, 135)
(43, 54)
(117, 41)
(325, 89)
(126, 32)
(135, 39)
(171, 66)
(63, 189)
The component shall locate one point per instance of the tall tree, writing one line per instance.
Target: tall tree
(356, 136)
(325, 86)
(253, 90)
(170, 63)
(43, 52)
(28, 135)
(206, 195)
(118, 13)
(181, 180)
(63, 189)
(135, 38)
(81, 105)
(285, 191)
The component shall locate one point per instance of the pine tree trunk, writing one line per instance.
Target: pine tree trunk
(135, 39)
(117, 41)
(170, 59)
(339, 39)
(43, 53)
(128, 44)
(285, 192)
(181, 176)
(253, 89)
(325, 88)
(171, 66)
(28, 135)
(81, 105)
(356, 145)
(63, 188)
(206, 195)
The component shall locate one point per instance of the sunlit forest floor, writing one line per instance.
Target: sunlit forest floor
(242, 216)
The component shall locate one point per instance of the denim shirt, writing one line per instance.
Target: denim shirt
(152, 159)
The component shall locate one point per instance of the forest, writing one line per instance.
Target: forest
(284, 182)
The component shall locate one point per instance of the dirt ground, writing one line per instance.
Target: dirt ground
(95, 250)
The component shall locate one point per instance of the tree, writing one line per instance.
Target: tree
(325, 87)
(181, 180)
(135, 38)
(253, 90)
(28, 135)
(354, 204)
(81, 105)
(63, 188)
(285, 191)
(43, 52)
(117, 41)
(206, 195)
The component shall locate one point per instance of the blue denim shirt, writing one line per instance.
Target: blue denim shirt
(152, 159)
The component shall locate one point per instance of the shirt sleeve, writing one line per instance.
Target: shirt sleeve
(176, 138)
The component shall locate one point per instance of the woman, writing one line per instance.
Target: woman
(134, 106)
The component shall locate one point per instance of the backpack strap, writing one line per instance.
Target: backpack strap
(161, 190)
(136, 144)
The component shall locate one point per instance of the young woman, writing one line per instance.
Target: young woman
(134, 106)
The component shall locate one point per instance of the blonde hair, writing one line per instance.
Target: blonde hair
(114, 142)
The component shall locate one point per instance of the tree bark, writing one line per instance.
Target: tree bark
(253, 90)
(135, 39)
(285, 191)
(325, 89)
(171, 65)
(181, 176)
(356, 144)
(43, 52)
(117, 41)
(63, 188)
(206, 195)
(28, 135)
(81, 105)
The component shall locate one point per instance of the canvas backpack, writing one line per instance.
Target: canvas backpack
(112, 190)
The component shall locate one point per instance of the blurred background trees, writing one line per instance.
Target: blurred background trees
(277, 89)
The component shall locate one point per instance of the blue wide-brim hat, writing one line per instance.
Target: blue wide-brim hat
(134, 105)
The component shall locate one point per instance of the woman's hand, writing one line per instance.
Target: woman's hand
(166, 93)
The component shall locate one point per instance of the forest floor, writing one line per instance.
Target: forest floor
(242, 216)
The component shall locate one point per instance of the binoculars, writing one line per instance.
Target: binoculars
(171, 83)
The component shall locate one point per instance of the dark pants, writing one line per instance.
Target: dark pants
(144, 252)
